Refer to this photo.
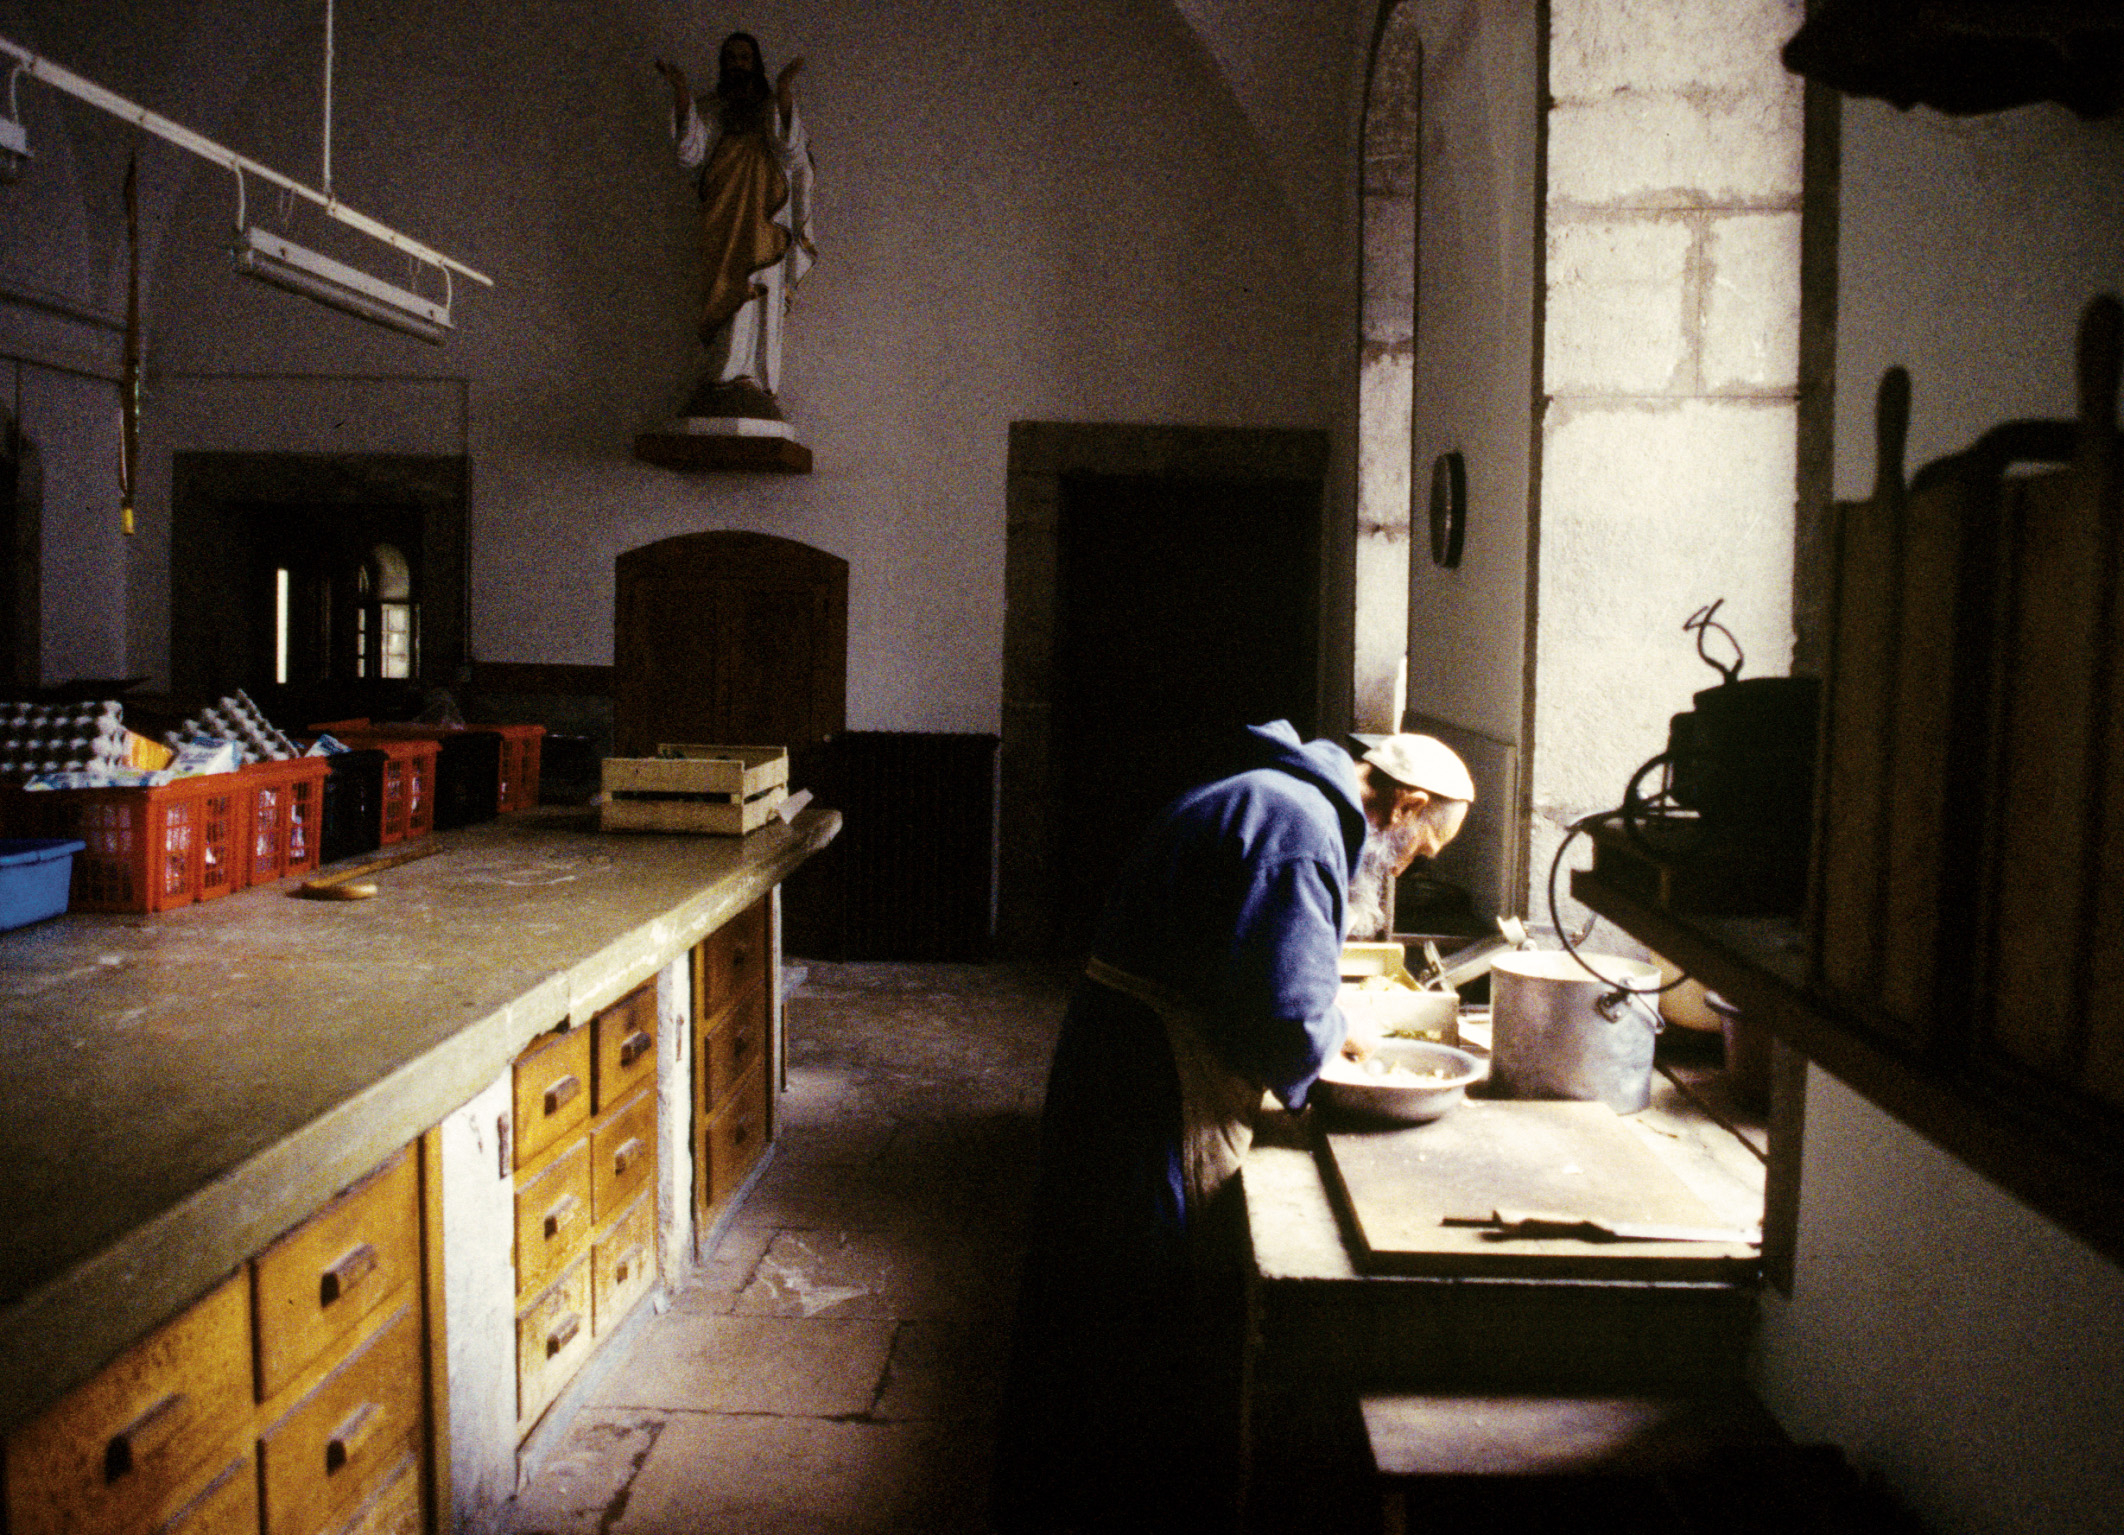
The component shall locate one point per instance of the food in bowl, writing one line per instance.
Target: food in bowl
(1405, 1081)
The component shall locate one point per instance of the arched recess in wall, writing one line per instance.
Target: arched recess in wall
(1388, 201)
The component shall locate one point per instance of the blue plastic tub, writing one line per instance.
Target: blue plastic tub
(34, 875)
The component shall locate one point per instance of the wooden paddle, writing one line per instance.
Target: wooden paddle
(347, 885)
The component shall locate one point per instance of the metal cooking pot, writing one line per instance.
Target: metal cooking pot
(1551, 1037)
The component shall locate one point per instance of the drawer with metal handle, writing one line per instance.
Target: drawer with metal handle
(131, 1447)
(338, 1444)
(730, 961)
(622, 1154)
(553, 1218)
(315, 1285)
(733, 1139)
(553, 1338)
(552, 1092)
(623, 1265)
(626, 1045)
(733, 1049)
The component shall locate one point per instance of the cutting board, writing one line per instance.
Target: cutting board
(1395, 1187)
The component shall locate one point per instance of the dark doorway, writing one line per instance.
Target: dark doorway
(1186, 609)
(324, 585)
(21, 616)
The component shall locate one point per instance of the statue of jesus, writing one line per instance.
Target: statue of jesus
(753, 160)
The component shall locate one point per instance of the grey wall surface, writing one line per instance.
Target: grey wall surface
(1063, 213)
(1953, 1341)
(1476, 285)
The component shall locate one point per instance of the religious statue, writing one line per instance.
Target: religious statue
(753, 160)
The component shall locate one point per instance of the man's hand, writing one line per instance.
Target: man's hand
(1361, 1034)
(784, 84)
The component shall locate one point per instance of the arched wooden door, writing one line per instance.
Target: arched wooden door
(734, 639)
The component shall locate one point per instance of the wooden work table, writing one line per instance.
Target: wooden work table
(1326, 1329)
(182, 1088)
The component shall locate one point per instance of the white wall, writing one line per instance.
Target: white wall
(1952, 1340)
(1058, 212)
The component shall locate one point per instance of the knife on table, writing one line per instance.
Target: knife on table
(1588, 1228)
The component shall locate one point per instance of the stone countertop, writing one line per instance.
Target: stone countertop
(180, 1089)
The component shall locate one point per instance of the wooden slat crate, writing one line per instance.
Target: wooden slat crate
(724, 791)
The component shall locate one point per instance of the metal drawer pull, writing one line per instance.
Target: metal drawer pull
(563, 1335)
(562, 1093)
(628, 1150)
(357, 1264)
(346, 1440)
(635, 1046)
(561, 1213)
(625, 1266)
(142, 1437)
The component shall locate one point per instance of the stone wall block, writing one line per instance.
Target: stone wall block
(1751, 308)
(1384, 398)
(1389, 250)
(1597, 47)
(1615, 314)
(1641, 149)
(1651, 513)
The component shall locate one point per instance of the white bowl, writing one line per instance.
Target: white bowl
(1373, 1089)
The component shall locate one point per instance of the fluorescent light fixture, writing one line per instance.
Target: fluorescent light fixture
(14, 138)
(262, 254)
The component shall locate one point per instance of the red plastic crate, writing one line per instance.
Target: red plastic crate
(408, 782)
(148, 849)
(521, 750)
(286, 817)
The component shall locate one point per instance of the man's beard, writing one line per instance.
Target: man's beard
(1383, 853)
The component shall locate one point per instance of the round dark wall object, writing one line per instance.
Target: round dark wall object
(1449, 508)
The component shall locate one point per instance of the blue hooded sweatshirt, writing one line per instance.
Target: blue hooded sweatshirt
(1237, 898)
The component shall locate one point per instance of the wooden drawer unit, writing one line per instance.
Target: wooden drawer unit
(734, 1047)
(623, 1265)
(622, 1154)
(553, 1217)
(228, 1506)
(552, 1339)
(732, 1139)
(394, 1509)
(552, 1092)
(126, 1450)
(315, 1285)
(337, 1445)
(625, 1039)
(731, 960)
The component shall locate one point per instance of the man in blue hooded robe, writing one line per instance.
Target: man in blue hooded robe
(1213, 976)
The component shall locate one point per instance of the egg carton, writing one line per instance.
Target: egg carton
(239, 722)
(60, 738)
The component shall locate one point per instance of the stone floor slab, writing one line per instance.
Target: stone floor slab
(749, 1476)
(896, 1276)
(821, 1366)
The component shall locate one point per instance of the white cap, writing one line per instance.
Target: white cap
(1419, 762)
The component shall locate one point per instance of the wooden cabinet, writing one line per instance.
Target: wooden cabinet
(586, 1162)
(733, 637)
(134, 1445)
(733, 1006)
(287, 1401)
